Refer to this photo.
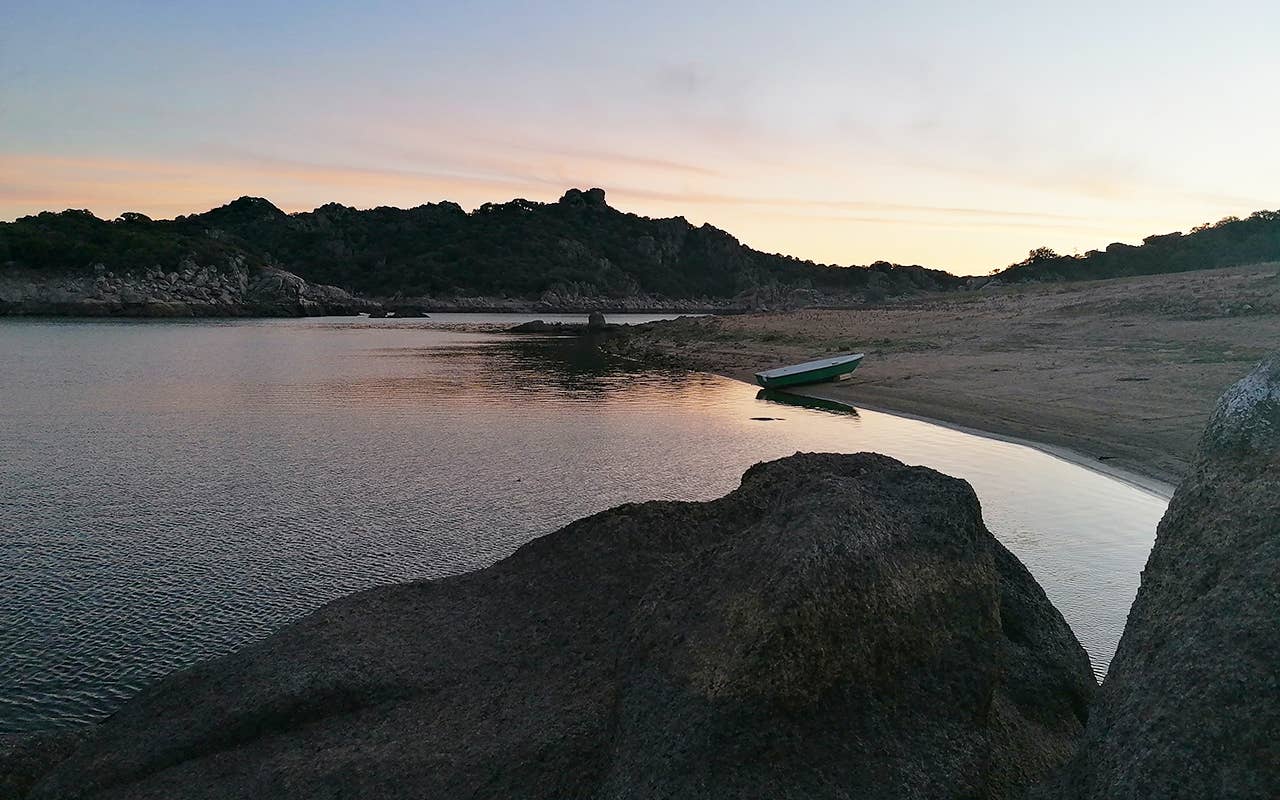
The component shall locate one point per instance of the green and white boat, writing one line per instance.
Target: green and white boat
(833, 368)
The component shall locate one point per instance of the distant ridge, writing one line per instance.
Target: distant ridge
(1227, 243)
(576, 247)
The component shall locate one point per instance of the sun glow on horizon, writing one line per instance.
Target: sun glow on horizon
(924, 134)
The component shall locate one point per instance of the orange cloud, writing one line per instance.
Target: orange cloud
(766, 209)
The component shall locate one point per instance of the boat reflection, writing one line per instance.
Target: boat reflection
(815, 403)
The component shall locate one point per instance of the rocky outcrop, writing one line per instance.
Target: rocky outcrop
(190, 290)
(552, 328)
(579, 197)
(595, 324)
(839, 626)
(1191, 705)
(275, 292)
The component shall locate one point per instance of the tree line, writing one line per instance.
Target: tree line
(516, 249)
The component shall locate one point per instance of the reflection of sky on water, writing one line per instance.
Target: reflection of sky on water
(175, 490)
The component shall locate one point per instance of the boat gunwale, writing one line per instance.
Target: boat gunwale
(810, 366)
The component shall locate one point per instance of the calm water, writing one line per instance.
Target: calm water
(171, 490)
(442, 318)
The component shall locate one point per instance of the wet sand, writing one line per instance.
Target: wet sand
(1118, 374)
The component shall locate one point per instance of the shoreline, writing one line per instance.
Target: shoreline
(1138, 480)
(1138, 473)
(1143, 481)
(1118, 376)
(95, 310)
(1144, 476)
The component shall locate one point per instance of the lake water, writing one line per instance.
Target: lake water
(171, 490)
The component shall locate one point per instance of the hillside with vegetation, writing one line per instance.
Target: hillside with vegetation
(578, 246)
(578, 252)
(1229, 242)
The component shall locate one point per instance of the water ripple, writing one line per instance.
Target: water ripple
(170, 492)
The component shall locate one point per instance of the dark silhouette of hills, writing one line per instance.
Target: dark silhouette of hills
(1227, 243)
(577, 246)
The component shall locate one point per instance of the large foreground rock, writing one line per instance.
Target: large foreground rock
(839, 626)
(1191, 705)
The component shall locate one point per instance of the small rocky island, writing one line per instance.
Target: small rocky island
(839, 626)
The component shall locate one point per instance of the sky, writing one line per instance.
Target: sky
(954, 135)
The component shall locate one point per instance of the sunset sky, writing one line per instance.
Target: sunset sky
(956, 135)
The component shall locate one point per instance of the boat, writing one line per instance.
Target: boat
(832, 368)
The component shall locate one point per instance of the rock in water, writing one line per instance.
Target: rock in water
(595, 321)
(1191, 705)
(838, 626)
(536, 326)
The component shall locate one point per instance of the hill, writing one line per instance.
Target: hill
(578, 252)
(578, 246)
(1229, 242)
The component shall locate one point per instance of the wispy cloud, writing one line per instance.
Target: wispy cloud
(109, 185)
(861, 205)
(956, 224)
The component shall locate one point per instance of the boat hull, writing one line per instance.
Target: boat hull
(820, 375)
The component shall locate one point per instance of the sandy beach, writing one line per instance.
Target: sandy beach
(1121, 374)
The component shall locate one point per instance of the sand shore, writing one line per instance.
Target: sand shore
(1118, 374)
